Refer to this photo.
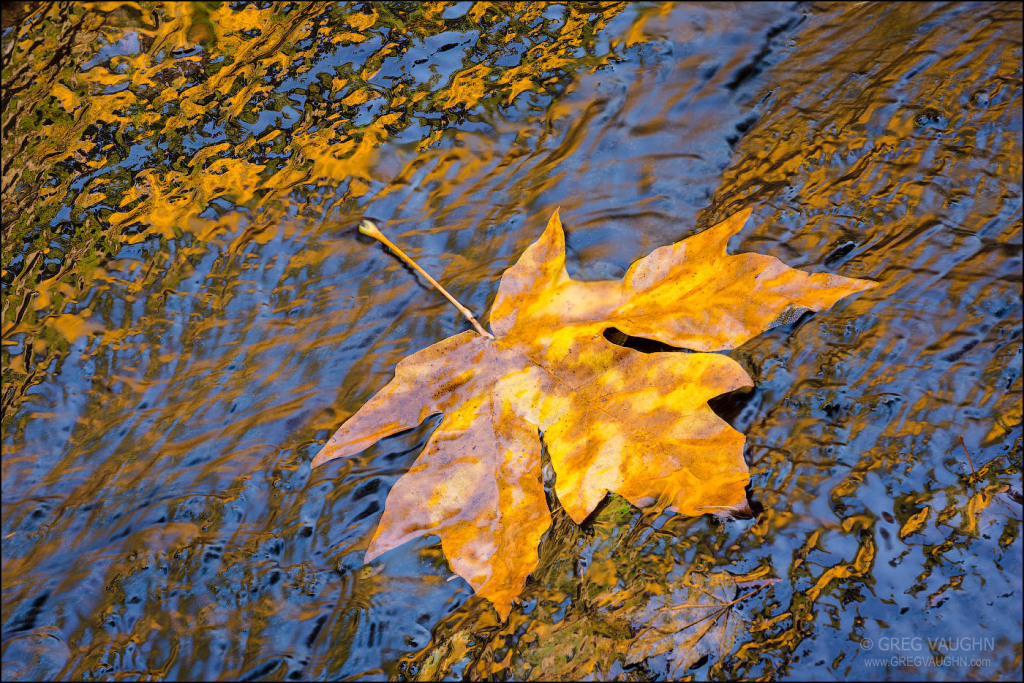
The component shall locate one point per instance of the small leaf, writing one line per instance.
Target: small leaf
(696, 620)
(915, 523)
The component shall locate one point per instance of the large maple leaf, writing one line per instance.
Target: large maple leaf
(612, 418)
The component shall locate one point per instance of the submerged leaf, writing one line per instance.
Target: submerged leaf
(613, 419)
(696, 620)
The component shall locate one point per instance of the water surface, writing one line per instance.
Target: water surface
(189, 313)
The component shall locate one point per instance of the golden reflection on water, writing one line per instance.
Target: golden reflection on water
(188, 314)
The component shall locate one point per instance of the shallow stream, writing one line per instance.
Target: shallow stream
(189, 313)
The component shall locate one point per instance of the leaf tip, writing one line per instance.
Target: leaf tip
(734, 223)
(504, 609)
(848, 286)
(555, 222)
(323, 456)
(867, 284)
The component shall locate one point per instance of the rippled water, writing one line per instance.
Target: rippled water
(188, 315)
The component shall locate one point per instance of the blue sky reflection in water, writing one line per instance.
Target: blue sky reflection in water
(188, 314)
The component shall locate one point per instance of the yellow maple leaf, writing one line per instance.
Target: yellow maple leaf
(612, 418)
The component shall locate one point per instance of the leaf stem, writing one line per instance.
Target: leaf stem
(370, 229)
(973, 473)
